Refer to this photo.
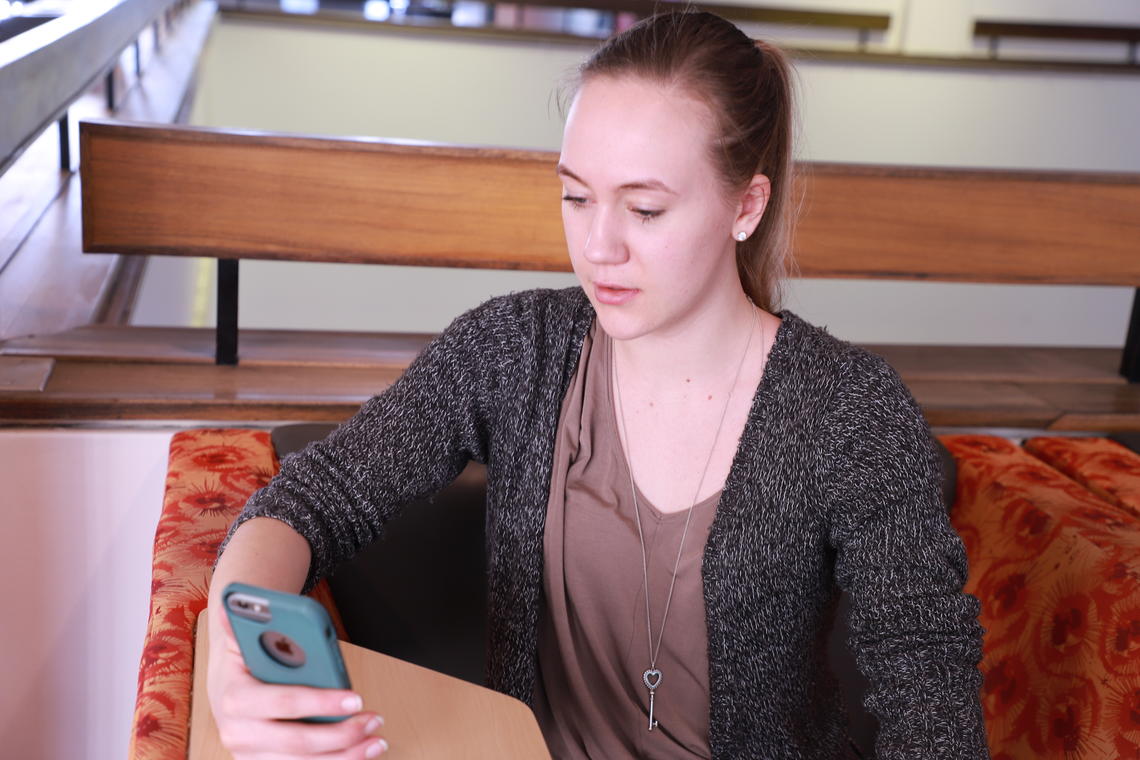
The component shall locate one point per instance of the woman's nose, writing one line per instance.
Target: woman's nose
(604, 241)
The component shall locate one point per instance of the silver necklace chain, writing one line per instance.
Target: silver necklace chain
(652, 676)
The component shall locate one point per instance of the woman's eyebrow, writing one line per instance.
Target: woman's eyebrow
(644, 184)
(562, 171)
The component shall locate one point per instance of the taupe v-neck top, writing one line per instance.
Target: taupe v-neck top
(592, 648)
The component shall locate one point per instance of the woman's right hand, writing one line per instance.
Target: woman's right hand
(257, 720)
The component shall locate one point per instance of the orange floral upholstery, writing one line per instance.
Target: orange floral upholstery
(1054, 559)
(211, 474)
(1106, 468)
(1057, 570)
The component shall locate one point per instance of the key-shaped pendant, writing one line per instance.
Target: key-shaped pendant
(652, 679)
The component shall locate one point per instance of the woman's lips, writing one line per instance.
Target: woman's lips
(612, 295)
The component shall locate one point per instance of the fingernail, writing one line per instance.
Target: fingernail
(353, 703)
(373, 723)
(376, 748)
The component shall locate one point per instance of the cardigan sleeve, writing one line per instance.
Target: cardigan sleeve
(405, 443)
(914, 633)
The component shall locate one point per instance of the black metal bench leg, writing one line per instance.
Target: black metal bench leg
(64, 142)
(226, 334)
(1130, 361)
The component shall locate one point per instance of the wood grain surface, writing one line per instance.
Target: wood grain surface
(229, 195)
(24, 374)
(1082, 395)
(970, 225)
(1013, 364)
(427, 715)
(195, 345)
(199, 192)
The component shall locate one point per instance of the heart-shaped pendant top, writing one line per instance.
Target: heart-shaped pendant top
(652, 678)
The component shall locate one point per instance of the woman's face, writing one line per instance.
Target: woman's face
(647, 222)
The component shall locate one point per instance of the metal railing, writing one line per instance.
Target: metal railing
(997, 30)
(44, 69)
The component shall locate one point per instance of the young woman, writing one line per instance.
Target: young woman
(680, 476)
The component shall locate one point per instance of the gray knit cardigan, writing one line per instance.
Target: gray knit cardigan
(835, 484)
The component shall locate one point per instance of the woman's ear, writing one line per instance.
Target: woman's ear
(752, 204)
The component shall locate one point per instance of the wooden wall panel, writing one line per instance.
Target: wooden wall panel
(203, 193)
(970, 225)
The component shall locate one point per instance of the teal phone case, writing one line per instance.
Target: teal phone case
(285, 639)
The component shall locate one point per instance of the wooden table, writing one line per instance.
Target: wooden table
(427, 715)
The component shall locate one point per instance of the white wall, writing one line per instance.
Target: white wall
(446, 88)
(79, 512)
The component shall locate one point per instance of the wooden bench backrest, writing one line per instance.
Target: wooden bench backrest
(223, 194)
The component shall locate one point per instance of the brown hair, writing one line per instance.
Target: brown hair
(747, 86)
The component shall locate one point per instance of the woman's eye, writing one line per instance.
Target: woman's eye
(574, 200)
(646, 214)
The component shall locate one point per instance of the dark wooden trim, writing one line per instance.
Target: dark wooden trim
(1023, 365)
(195, 345)
(326, 348)
(140, 373)
(18, 373)
(166, 134)
(968, 174)
(1052, 31)
(109, 389)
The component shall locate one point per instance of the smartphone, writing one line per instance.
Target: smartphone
(286, 639)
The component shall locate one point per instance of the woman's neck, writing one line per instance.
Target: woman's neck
(704, 349)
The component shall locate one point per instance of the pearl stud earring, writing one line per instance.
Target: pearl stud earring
(741, 236)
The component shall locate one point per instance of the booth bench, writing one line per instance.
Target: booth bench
(1051, 528)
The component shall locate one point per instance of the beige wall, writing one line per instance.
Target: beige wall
(435, 87)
